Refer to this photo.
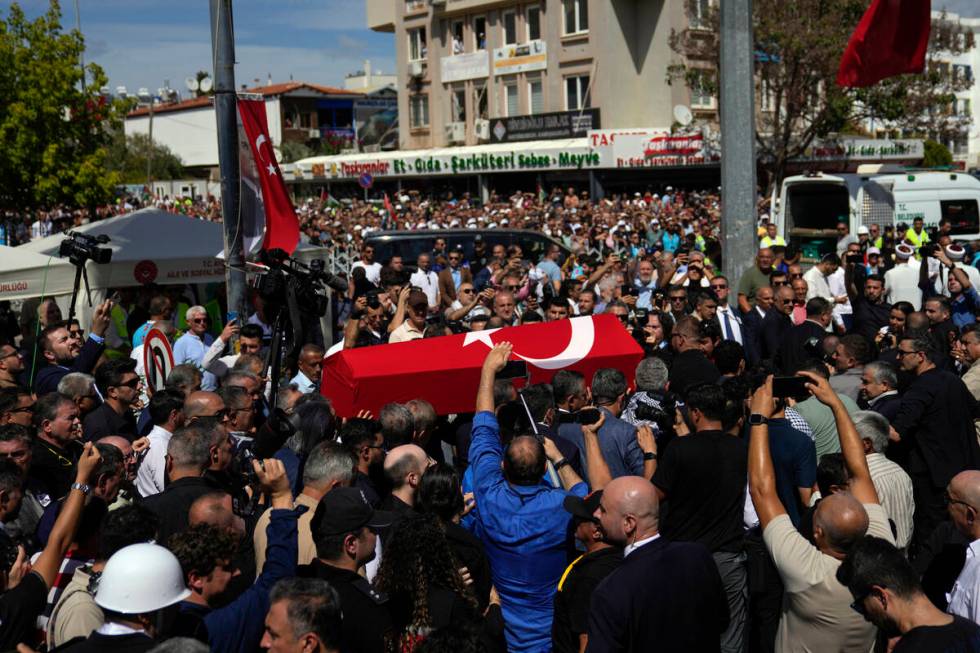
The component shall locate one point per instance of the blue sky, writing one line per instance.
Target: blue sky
(144, 42)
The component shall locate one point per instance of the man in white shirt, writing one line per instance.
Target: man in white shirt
(167, 415)
(963, 499)
(191, 347)
(902, 281)
(427, 281)
(310, 363)
(892, 483)
(372, 269)
(818, 278)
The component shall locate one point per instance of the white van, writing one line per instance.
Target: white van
(810, 205)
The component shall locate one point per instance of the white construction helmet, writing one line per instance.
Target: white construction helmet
(141, 578)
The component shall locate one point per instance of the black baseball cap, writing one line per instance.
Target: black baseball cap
(346, 510)
(583, 509)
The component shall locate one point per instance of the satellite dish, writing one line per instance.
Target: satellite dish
(206, 85)
(121, 91)
(191, 83)
(683, 115)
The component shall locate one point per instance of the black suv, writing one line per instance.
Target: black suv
(409, 244)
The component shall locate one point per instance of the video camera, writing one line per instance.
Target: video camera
(79, 248)
(305, 281)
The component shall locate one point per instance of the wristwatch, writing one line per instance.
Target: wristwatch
(561, 463)
(649, 455)
(755, 419)
(81, 486)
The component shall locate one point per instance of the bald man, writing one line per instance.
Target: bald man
(404, 467)
(215, 508)
(816, 613)
(630, 610)
(310, 364)
(963, 494)
(204, 404)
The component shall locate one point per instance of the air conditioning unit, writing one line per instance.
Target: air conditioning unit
(482, 128)
(436, 3)
(416, 68)
(456, 132)
(313, 133)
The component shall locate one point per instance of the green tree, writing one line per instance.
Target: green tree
(936, 155)
(294, 151)
(798, 47)
(127, 158)
(53, 131)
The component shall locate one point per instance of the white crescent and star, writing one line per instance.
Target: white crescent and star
(578, 347)
(259, 140)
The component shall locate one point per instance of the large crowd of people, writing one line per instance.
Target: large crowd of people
(794, 464)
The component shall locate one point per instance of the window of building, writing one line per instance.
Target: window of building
(535, 93)
(701, 91)
(511, 99)
(418, 110)
(480, 32)
(458, 99)
(509, 22)
(416, 44)
(577, 92)
(480, 102)
(456, 37)
(533, 23)
(576, 16)
(699, 13)
(414, 5)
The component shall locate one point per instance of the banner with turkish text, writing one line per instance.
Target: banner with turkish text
(281, 224)
(890, 40)
(445, 371)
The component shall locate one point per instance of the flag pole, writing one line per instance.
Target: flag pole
(225, 110)
(738, 193)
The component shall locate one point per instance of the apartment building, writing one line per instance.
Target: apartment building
(482, 71)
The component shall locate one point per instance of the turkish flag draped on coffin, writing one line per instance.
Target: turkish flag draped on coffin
(890, 40)
(281, 225)
(446, 371)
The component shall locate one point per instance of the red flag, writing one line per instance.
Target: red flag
(446, 371)
(391, 211)
(890, 40)
(281, 225)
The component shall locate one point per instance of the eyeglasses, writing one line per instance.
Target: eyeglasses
(467, 291)
(11, 353)
(132, 383)
(780, 283)
(719, 286)
(858, 604)
(199, 320)
(622, 318)
(951, 501)
(512, 288)
(78, 333)
(901, 353)
(453, 257)
(18, 454)
(679, 298)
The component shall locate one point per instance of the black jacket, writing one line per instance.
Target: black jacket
(752, 336)
(47, 378)
(666, 596)
(173, 504)
(97, 643)
(792, 350)
(774, 328)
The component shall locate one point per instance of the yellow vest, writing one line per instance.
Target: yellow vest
(917, 240)
(769, 242)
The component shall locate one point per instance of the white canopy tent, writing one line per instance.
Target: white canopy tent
(148, 246)
(26, 274)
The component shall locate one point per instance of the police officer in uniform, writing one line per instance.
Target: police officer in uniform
(344, 530)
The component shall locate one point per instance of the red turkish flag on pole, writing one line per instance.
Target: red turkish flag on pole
(890, 40)
(281, 225)
(446, 371)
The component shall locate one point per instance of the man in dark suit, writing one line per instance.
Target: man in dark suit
(879, 389)
(64, 354)
(631, 610)
(752, 324)
(451, 276)
(792, 350)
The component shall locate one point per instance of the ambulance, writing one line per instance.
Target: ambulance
(810, 205)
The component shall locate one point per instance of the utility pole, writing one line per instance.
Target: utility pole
(81, 55)
(226, 114)
(738, 195)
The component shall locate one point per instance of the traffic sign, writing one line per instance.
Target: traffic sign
(158, 359)
(365, 181)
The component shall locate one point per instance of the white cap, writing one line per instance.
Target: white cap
(874, 250)
(863, 231)
(955, 252)
(904, 252)
(505, 221)
(141, 578)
